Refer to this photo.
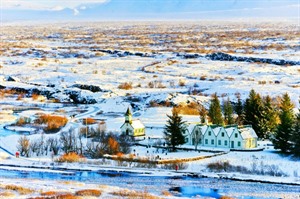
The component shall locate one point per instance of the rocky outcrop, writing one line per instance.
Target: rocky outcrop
(76, 97)
(219, 56)
(120, 53)
(72, 96)
(91, 88)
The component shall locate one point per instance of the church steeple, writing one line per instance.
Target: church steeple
(128, 116)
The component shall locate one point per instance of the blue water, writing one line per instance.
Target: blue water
(4, 133)
(179, 186)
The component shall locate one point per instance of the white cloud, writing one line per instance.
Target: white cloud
(46, 4)
(75, 12)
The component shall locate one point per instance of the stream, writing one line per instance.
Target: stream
(181, 186)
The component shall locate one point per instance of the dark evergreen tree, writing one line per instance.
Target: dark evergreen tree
(268, 121)
(174, 130)
(284, 130)
(215, 111)
(253, 111)
(239, 110)
(296, 136)
(228, 111)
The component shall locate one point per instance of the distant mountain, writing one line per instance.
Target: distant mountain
(163, 10)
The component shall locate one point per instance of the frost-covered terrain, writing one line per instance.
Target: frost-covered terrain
(98, 70)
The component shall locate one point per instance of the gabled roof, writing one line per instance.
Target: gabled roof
(137, 124)
(202, 127)
(216, 130)
(230, 130)
(247, 132)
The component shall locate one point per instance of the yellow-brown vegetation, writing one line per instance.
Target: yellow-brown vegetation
(88, 192)
(53, 122)
(134, 194)
(19, 189)
(88, 121)
(125, 86)
(70, 157)
(191, 108)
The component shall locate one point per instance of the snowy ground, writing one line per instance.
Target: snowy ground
(54, 60)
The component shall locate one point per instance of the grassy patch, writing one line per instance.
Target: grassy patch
(89, 192)
(70, 157)
(19, 189)
(134, 194)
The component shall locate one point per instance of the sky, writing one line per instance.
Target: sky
(59, 10)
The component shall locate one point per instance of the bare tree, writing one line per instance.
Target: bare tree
(196, 138)
(24, 146)
(54, 145)
(68, 140)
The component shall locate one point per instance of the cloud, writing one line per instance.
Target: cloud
(47, 5)
(75, 12)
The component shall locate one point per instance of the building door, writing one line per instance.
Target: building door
(127, 131)
(232, 144)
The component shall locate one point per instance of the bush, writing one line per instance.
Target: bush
(88, 192)
(19, 189)
(22, 121)
(125, 86)
(188, 109)
(181, 83)
(88, 121)
(70, 157)
(53, 122)
(134, 194)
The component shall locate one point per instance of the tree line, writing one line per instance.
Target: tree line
(272, 119)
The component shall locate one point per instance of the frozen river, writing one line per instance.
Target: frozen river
(182, 185)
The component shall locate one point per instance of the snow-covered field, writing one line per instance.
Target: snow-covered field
(72, 67)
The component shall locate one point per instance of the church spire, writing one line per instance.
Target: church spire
(128, 116)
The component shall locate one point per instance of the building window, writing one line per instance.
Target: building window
(212, 141)
(235, 135)
(225, 143)
(209, 133)
(239, 143)
(206, 141)
(223, 134)
(219, 142)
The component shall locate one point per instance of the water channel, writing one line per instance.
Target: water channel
(180, 185)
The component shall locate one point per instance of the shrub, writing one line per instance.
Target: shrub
(188, 109)
(20, 96)
(181, 82)
(125, 86)
(19, 189)
(134, 194)
(35, 96)
(203, 77)
(70, 157)
(7, 194)
(88, 121)
(218, 166)
(53, 122)
(88, 192)
(22, 121)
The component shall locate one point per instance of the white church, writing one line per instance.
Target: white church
(132, 127)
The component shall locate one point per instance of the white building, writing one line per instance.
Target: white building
(231, 137)
(132, 127)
